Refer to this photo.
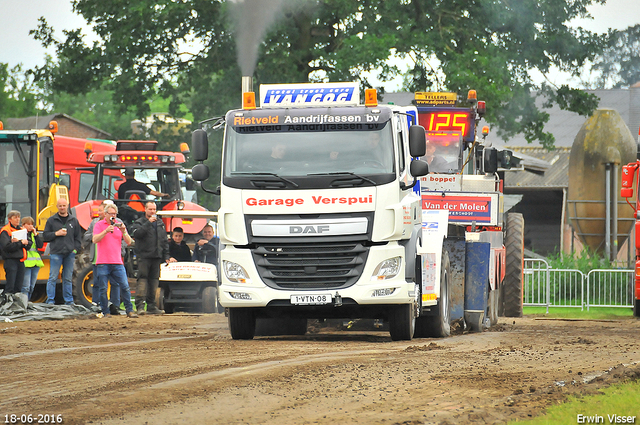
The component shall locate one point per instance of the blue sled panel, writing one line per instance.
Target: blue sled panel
(477, 276)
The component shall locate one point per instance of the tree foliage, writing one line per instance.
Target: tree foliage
(619, 62)
(20, 95)
(186, 51)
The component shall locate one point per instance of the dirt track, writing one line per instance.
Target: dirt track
(186, 369)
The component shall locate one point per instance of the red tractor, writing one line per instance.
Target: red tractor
(629, 175)
(159, 170)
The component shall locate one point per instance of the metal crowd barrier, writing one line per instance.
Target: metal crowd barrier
(544, 286)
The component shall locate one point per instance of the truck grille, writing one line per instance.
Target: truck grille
(326, 265)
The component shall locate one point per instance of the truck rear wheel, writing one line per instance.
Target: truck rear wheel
(242, 323)
(514, 269)
(210, 299)
(438, 325)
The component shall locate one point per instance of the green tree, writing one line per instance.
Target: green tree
(619, 63)
(186, 50)
(20, 95)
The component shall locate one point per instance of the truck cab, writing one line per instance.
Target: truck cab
(317, 214)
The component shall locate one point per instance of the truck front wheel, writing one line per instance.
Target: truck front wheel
(438, 325)
(242, 323)
(402, 322)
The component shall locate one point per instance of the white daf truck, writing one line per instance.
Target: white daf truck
(321, 217)
(318, 217)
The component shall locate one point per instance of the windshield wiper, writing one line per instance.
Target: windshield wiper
(344, 173)
(292, 183)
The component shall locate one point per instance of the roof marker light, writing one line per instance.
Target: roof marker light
(53, 126)
(248, 100)
(472, 96)
(370, 97)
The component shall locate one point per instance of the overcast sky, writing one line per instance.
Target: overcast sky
(21, 16)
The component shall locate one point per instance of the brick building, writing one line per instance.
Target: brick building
(67, 126)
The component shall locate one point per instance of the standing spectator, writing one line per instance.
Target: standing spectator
(152, 249)
(33, 263)
(87, 242)
(62, 231)
(108, 235)
(14, 252)
(206, 250)
(178, 249)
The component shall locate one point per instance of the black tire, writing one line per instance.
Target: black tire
(210, 299)
(242, 323)
(438, 325)
(512, 286)
(636, 308)
(402, 322)
(83, 287)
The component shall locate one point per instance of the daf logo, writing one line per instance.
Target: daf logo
(308, 229)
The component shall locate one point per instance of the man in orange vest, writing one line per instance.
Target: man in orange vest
(14, 252)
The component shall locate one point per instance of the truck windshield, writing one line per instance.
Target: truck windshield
(15, 160)
(300, 153)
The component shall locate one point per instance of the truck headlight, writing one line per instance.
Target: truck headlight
(235, 272)
(387, 269)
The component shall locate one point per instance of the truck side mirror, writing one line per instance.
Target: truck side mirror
(490, 160)
(419, 168)
(417, 141)
(200, 172)
(200, 144)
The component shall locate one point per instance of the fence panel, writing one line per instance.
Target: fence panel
(610, 288)
(544, 286)
(536, 282)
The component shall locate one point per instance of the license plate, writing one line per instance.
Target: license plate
(311, 299)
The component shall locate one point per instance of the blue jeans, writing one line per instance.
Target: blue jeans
(100, 287)
(66, 262)
(30, 278)
(117, 274)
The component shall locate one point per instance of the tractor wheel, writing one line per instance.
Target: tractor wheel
(512, 286)
(83, 286)
(242, 323)
(438, 325)
(210, 299)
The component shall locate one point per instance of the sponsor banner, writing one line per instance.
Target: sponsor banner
(306, 95)
(463, 208)
(189, 267)
(446, 182)
(314, 227)
(281, 202)
(435, 99)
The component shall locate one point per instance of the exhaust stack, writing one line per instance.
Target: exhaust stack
(247, 83)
